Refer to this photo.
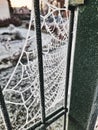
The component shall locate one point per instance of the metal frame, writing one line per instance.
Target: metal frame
(68, 59)
(46, 121)
(4, 111)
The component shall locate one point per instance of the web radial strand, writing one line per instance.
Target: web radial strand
(22, 89)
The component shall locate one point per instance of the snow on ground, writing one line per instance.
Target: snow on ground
(9, 48)
(53, 60)
(17, 44)
(14, 45)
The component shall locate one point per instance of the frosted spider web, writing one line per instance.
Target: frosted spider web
(22, 94)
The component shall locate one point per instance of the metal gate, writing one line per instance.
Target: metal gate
(36, 92)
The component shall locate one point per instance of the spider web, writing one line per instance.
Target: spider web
(21, 92)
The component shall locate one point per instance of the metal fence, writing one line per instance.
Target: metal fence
(38, 96)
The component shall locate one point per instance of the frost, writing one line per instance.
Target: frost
(22, 94)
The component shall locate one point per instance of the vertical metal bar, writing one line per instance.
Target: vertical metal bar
(68, 60)
(40, 59)
(4, 111)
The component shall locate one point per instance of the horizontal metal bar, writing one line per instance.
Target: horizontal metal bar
(52, 120)
(49, 122)
(50, 117)
(54, 113)
(39, 123)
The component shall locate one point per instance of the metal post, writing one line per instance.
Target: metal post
(4, 111)
(68, 60)
(40, 59)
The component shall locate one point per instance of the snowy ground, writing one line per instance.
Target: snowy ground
(10, 49)
(54, 70)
